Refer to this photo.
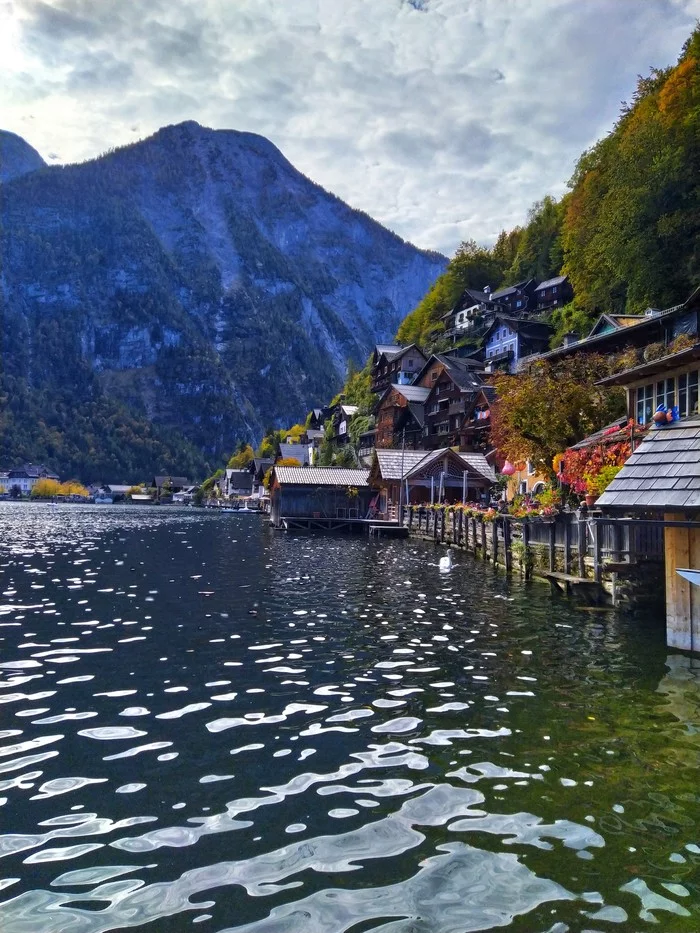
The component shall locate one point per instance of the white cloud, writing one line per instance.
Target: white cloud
(444, 119)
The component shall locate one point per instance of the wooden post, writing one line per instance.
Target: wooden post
(596, 552)
(461, 527)
(581, 547)
(410, 519)
(494, 540)
(435, 525)
(567, 544)
(552, 546)
(507, 554)
(616, 542)
(526, 549)
(442, 525)
(483, 539)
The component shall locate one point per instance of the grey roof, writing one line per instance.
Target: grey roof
(299, 452)
(412, 393)
(599, 436)
(391, 461)
(314, 434)
(34, 471)
(117, 487)
(417, 409)
(321, 476)
(389, 350)
(557, 280)
(173, 480)
(263, 463)
(663, 473)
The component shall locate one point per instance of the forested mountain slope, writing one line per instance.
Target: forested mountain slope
(199, 280)
(627, 233)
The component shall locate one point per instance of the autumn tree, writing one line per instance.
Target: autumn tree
(242, 457)
(46, 489)
(543, 410)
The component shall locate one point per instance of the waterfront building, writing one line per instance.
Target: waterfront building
(24, 478)
(318, 493)
(238, 482)
(430, 476)
(452, 392)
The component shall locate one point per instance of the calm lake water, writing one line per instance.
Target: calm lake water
(207, 725)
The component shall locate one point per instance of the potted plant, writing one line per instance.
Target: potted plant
(598, 483)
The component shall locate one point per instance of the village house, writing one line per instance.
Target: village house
(395, 365)
(475, 429)
(321, 494)
(400, 416)
(516, 300)
(472, 313)
(24, 478)
(553, 293)
(427, 476)
(172, 484)
(450, 394)
(509, 340)
(295, 451)
(237, 482)
(258, 468)
(341, 424)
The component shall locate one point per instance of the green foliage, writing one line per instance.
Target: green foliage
(570, 319)
(632, 226)
(77, 431)
(325, 450)
(539, 251)
(543, 410)
(358, 425)
(345, 457)
(242, 457)
(358, 388)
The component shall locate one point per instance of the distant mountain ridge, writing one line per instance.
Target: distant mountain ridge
(17, 157)
(198, 278)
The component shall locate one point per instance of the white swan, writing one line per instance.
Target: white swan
(446, 562)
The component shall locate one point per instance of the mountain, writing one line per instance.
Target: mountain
(198, 279)
(17, 157)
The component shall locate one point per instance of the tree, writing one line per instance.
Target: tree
(542, 411)
(242, 457)
(46, 489)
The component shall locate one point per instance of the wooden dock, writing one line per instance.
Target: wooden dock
(347, 525)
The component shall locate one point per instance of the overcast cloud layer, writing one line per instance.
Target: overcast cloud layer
(443, 119)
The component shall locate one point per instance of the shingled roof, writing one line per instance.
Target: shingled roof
(662, 474)
(320, 476)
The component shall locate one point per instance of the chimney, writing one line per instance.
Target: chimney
(487, 289)
(570, 339)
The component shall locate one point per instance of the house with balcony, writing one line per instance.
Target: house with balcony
(400, 416)
(395, 365)
(450, 395)
(475, 430)
(553, 293)
(471, 315)
(510, 340)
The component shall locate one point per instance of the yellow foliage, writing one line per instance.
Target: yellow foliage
(46, 489)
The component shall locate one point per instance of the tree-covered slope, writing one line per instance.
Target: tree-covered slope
(17, 157)
(627, 233)
(204, 282)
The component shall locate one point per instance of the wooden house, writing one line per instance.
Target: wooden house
(171, 483)
(238, 482)
(295, 451)
(553, 293)
(328, 493)
(418, 476)
(450, 395)
(475, 429)
(260, 466)
(400, 416)
(395, 365)
(24, 478)
(516, 300)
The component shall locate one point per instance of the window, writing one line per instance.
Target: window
(434, 376)
(692, 393)
(443, 427)
(645, 403)
(666, 393)
(518, 304)
(530, 469)
(554, 290)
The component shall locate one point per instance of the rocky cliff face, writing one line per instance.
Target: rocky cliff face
(200, 279)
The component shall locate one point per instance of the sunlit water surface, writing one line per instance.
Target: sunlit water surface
(209, 725)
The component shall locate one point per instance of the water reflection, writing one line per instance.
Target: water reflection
(208, 722)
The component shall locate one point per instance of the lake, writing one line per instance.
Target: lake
(209, 725)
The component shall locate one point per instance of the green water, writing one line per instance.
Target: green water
(209, 725)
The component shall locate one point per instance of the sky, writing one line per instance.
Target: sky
(443, 119)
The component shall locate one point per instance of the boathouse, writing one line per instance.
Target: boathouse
(661, 483)
(430, 476)
(318, 496)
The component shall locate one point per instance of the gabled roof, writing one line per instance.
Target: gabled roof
(173, 480)
(299, 452)
(471, 296)
(348, 410)
(389, 350)
(663, 473)
(610, 322)
(411, 393)
(391, 462)
(549, 283)
(119, 488)
(263, 463)
(417, 409)
(320, 476)
(510, 290)
(608, 434)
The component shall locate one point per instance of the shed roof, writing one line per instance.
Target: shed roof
(320, 476)
(663, 473)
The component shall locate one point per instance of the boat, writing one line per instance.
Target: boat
(103, 500)
(692, 576)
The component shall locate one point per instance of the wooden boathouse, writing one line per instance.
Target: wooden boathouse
(320, 498)
(660, 484)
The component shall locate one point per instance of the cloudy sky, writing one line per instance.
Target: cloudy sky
(443, 119)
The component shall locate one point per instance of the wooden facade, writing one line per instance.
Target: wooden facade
(318, 492)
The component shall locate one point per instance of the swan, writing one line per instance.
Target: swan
(446, 562)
